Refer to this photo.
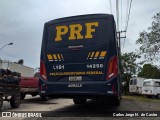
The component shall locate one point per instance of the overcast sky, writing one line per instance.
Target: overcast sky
(22, 21)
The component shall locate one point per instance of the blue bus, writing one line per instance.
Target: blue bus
(80, 59)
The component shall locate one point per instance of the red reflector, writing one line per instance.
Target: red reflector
(113, 88)
(112, 68)
(43, 73)
(41, 88)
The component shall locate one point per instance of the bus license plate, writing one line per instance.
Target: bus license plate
(75, 78)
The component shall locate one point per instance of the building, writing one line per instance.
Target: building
(15, 67)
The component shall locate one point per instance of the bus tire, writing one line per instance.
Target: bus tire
(23, 95)
(116, 101)
(158, 96)
(15, 101)
(1, 101)
(79, 101)
(44, 98)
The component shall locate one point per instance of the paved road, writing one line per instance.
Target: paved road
(65, 109)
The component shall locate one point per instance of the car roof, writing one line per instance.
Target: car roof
(151, 80)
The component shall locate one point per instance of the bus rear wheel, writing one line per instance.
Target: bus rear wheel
(44, 98)
(116, 101)
(79, 101)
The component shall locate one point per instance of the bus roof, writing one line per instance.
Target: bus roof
(87, 16)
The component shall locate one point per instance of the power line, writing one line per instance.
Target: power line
(117, 11)
(128, 10)
(121, 15)
(110, 6)
(129, 15)
(121, 22)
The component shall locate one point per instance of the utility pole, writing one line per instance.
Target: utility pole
(118, 31)
(119, 39)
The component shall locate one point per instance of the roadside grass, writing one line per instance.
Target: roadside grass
(141, 98)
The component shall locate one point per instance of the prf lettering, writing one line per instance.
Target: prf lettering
(75, 31)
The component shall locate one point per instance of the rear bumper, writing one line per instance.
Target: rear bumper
(133, 93)
(88, 89)
(148, 94)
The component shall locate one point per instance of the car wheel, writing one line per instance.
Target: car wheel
(15, 101)
(23, 95)
(1, 101)
(44, 98)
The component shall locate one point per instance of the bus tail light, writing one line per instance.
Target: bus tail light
(112, 68)
(41, 87)
(114, 90)
(43, 73)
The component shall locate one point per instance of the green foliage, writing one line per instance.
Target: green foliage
(129, 68)
(37, 69)
(150, 41)
(129, 64)
(149, 71)
(126, 77)
(21, 61)
(16, 74)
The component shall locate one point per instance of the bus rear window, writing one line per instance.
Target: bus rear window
(157, 84)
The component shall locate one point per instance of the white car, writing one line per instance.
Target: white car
(151, 88)
(135, 85)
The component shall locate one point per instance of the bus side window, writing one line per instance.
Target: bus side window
(135, 81)
(146, 83)
(157, 84)
(131, 82)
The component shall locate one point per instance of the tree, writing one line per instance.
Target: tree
(126, 77)
(150, 41)
(149, 71)
(37, 69)
(129, 64)
(129, 67)
(21, 61)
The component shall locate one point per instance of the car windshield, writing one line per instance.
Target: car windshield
(148, 83)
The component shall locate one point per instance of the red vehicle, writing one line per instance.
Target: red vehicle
(29, 85)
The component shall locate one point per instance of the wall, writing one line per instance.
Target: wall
(24, 70)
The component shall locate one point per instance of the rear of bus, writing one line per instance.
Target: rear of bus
(79, 58)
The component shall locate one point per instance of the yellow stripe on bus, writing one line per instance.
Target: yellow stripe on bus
(59, 57)
(92, 54)
(97, 53)
(103, 54)
(49, 57)
(62, 56)
(89, 54)
(54, 56)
